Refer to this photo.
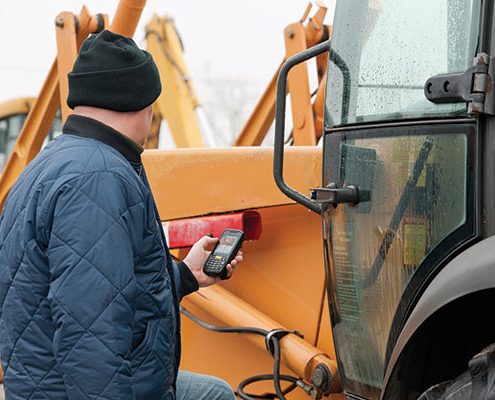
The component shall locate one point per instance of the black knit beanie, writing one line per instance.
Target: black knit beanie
(112, 72)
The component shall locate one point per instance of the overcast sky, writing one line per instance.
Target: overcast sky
(224, 40)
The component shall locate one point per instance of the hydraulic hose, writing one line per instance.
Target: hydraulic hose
(272, 339)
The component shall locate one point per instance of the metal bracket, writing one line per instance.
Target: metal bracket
(333, 195)
(473, 86)
(278, 333)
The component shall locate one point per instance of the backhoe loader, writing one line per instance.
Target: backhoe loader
(402, 187)
(407, 198)
(280, 290)
(180, 108)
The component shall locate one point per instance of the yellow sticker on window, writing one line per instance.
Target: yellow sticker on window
(414, 242)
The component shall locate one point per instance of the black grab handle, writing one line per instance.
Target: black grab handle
(278, 159)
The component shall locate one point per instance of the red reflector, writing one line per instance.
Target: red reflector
(186, 232)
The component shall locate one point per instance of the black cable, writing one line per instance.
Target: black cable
(276, 369)
(273, 343)
(290, 138)
(264, 377)
(222, 329)
(269, 396)
(276, 377)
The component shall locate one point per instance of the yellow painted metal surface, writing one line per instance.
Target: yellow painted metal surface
(306, 116)
(178, 100)
(255, 129)
(298, 87)
(127, 17)
(298, 354)
(192, 182)
(69, 40)
(67, 49)
(282, 276)
(16, 106)
(152, 142)
(33, 133)
(45, 107)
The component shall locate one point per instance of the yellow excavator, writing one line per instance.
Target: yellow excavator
(281, 287)
(178, 108)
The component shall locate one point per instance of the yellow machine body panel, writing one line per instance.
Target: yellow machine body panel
(282, 277)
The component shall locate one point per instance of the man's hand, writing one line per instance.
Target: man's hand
(197, 257)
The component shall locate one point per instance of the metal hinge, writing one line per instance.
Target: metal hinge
(473, 86)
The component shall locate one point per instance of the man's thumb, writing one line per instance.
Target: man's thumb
(207, 241)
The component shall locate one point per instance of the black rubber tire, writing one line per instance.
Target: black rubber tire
(476, 383)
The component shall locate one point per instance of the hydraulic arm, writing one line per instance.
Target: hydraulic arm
(307, 115)
(178, 104)
(71, 31)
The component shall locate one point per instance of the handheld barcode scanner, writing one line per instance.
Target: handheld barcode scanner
(224, 252)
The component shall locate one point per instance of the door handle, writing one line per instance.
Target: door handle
(278, 156)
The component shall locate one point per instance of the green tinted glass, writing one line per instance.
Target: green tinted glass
(418, 196)
(391, 48)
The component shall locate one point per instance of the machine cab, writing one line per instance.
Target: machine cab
(415, 160)
(13, 114)
(407, 189)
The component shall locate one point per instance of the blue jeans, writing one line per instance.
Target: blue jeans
(192, 386)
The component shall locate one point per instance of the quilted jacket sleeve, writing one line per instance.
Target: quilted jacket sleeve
(185, 282)
(97, 221)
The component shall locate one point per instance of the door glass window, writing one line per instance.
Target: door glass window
(417, 190)
(11, 127)
(3, 142)
(391, 48)
(15, 126)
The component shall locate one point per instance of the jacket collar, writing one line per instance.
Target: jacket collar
(91, 128)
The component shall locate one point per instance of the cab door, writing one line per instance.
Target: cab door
(413, 165)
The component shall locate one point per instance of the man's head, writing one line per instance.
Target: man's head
(112, 77)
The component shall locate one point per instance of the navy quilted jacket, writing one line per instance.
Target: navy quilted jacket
(88, 291)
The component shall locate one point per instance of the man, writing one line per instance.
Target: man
(88, 291)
